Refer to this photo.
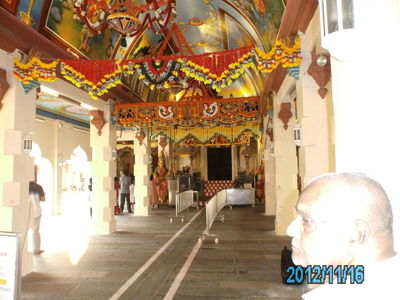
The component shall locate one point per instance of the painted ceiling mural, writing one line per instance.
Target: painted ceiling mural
(56, 106)
(207, 26)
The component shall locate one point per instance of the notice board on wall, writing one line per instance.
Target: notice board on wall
(10, 265)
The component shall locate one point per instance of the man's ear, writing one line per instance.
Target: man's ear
(360, 233)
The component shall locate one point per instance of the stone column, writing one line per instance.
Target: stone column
(366, 101)
(102, 142)
(57, 170)
(142, 173)
(234, 161)
(269, 169)
(203, 162)
(286, 192)
(314, 109)
(17, 115)
(270, 193)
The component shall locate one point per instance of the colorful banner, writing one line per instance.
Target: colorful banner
(206, 111)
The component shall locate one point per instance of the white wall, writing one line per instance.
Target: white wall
(49, 135)
(57, 138)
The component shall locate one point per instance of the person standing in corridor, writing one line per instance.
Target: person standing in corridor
(36, 195)
(125, 181)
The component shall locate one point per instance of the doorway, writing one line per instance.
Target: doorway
(219, 163)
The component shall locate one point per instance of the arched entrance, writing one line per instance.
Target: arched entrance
(75, 182)
(44, 177)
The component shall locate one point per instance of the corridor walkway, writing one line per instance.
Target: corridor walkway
(245, 264)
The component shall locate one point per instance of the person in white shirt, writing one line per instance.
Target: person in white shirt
(132, 191)
(345, 219)
(125, 181)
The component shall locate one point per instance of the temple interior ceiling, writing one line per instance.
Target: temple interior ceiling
(203, 25)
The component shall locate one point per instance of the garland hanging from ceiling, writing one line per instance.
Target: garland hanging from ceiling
(287, 57)
(95, 78)
(158, 73)
(221, 135)
(34, 70)
(218, 70)
(207, 112)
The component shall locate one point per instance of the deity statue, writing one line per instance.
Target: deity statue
(160, 178)
(260, 184)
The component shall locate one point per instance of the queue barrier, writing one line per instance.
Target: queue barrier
(183, 201)
(213, 208)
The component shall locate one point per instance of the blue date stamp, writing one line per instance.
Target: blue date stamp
(325, 274)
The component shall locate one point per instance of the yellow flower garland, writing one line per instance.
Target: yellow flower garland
(280, 54)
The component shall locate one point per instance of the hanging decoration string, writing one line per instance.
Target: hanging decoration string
(218, 69)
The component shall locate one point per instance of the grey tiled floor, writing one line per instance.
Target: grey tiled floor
(245, 264)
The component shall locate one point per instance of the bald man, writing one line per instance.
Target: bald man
(345, 219)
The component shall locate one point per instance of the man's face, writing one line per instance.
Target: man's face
(321, 232)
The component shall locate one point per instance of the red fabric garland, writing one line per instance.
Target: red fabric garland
(93, 71)
(218, 62)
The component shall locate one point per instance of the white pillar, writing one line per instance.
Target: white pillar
(142, 175)
(269, 169)
(17, 117)
(314, 114)
(286, 192)
(366, 101)
(57, 170)
(103, 173)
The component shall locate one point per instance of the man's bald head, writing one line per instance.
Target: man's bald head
(342, 218)
(358, 194)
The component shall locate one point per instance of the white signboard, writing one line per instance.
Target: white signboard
(9, 265)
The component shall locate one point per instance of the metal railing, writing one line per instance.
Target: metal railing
(213, 207)
(185, 200)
